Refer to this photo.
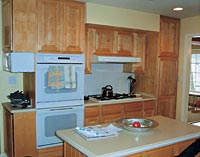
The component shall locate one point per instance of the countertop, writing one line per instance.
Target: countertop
(169, 131)
(143, 97)
(12, 109)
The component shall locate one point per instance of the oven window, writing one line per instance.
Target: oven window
(59, 122)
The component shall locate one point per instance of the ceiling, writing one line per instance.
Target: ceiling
(162, 7)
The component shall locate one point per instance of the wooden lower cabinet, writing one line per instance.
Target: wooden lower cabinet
(166, 151)
(111, 113)
(51, 152)
(133, 109)
(102, 114)
(19, 130)
(92, 115)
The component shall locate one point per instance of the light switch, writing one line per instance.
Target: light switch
(12, 80)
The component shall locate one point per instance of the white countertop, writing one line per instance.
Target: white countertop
(168, 132)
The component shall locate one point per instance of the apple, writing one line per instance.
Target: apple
(136, 124)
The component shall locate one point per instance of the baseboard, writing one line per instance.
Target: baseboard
(3, 155)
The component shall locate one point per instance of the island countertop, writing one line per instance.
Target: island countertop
(169, 131)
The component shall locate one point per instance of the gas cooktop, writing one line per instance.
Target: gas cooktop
(115, 97)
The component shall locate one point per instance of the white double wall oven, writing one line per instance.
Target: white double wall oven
(59, 95)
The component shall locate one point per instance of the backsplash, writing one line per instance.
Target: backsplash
(107, 74)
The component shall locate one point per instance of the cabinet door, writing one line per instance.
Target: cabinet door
(8, 134)
(123, 43)
(56, 151)
(24, 25)
(163, 151)
(133, 109)
(169, 36)
(111, 113)
(49, 26)
(167, 106)
(7, 25)
(149, 108)
(73, 27)
(92, 115)
(139, 50)
(103, 42)
(24, 132)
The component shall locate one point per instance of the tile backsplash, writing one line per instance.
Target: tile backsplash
(107, 74)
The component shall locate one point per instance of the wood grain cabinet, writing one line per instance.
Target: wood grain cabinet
(113, 41)
(61, 26)
(168, 66)
(19, 24)
(133, 109)
(56, 151)
(92, 115)
(19, 130)
(111, 113)
(102, 114)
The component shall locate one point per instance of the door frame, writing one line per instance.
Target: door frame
(186, 76)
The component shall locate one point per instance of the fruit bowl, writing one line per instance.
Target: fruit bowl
(137, 124)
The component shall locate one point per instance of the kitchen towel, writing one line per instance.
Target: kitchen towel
(56, 77)
(70, 76)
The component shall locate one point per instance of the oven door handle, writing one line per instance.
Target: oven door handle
(59, 109)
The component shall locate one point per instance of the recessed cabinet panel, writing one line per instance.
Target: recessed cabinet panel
(169, 36)
(49, 28)
(19, 25)
(103, 42)
(73, 28)
(123, 43)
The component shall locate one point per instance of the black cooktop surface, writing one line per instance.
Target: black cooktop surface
(115, 96)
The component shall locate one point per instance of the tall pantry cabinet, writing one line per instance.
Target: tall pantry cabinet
(168, 66)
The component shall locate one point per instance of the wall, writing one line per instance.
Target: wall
(113, 16)
(107, 74)
(189, 27)
(10, 82)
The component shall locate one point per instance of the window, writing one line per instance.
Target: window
(195, 73)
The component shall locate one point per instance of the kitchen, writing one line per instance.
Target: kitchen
(152, 23)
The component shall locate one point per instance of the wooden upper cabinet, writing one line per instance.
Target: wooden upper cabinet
(61, 26)
(103, 42)
(19, 23)
(123, 43)
(139, 50)
(74, 27)
(49, 26)
(169, 36)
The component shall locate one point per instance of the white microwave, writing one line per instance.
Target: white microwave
(18, 61)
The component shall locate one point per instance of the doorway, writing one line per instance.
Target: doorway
(186, 79)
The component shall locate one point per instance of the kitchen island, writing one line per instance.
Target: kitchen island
(166, 140)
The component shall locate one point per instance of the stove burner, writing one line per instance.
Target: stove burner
(115, 96)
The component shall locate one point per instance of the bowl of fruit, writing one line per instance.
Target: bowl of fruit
(137, 124)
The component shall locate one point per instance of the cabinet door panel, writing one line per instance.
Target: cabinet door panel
(104, 42)
(169, 36)
(167, 76)
(167, 106)
(149, 108)
(49, 29)
(24, 133)
(123, 43)
(7, 25)
(133, 109)
(24, 26)
(164, 152)
(73, 27)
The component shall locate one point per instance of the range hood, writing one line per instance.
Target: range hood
(114, 59)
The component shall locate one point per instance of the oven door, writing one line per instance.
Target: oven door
(44, 93)
(48, 121)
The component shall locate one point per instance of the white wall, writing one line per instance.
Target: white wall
(189, 27)
(113, 16)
